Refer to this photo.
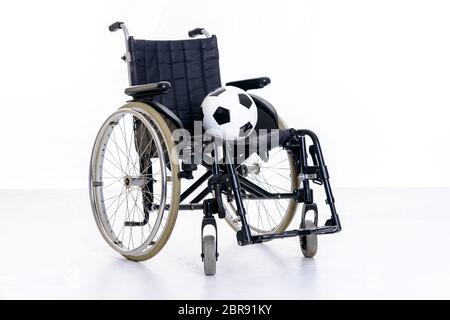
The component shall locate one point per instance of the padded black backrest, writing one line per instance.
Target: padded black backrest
(191, 66)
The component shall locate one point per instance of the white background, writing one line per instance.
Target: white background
(371, 78)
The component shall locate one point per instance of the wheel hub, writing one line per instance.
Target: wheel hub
(134, 182)
(255, 168)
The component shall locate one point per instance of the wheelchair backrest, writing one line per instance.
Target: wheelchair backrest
(191, 66)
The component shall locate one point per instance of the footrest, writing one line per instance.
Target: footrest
(295, 233)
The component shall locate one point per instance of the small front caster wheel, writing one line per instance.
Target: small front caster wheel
(209, 255)
(308, 243)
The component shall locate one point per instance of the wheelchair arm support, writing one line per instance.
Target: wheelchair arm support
(149, 89)
(248, 84)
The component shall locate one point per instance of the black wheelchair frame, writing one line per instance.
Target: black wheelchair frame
(223, 179)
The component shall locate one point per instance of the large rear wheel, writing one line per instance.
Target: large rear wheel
(134, 183)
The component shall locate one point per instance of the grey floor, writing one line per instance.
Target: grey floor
(394, 245)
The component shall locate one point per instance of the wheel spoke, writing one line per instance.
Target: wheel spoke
(121, 151)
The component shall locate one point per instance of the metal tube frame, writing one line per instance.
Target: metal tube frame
(127, 55)
(298, 147)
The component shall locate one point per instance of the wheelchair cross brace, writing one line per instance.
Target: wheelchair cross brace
(224, 180)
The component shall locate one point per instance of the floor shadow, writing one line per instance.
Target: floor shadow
(121, 278)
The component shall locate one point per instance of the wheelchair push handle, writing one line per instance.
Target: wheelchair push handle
(127, 57)
(115, 26)
(197, 32)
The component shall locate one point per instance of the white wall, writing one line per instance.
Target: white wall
(371, 78)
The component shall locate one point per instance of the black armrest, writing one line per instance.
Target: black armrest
(149, 89)
(256, 83)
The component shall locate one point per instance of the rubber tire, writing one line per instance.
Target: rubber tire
(309, 243)
(176, 184)
(209, 255)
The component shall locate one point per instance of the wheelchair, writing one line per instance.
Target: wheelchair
(138, 184)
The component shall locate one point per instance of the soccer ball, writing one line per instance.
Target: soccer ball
(229, 113)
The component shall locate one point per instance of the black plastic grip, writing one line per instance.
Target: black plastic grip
(195, 32)
(249, 84)
(115, 26)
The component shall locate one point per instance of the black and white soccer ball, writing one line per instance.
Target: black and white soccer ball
(229, 113)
